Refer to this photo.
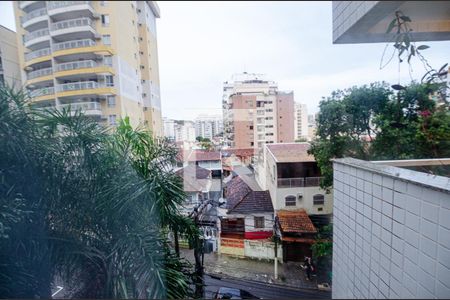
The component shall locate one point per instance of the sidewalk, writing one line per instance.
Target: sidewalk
(289, 274)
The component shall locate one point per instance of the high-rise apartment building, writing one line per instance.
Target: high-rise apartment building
(256, 113)
(300, 121)
(208, 126)
(9, 60)
(185, 131)
(169, 128)
(97, 56)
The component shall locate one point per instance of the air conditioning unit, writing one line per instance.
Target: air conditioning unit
(96, 15)
(299, 196)
(97, 36)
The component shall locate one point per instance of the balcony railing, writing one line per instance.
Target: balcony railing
(42, 92)
(59, 4)
(37, 53)
(73, 44)
(76, 65)
(83, 106)
(35, 34)
(39, 73)
(298, 182)
(74, 86)
(71, 23)
(34, 14)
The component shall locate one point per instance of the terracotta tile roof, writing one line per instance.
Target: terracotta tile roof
(295, 221)
(290, 152)
(194, 171)
(195, 178)
(242, 199)
(203, 155)
(240, 152)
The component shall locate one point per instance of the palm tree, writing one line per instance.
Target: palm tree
(85, 207)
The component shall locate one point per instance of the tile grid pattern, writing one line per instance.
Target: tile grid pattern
(391, 237)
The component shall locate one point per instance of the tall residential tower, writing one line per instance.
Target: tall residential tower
(97, 56)
(256, 112)
(9, 60)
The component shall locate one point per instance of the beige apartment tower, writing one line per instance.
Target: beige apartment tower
(9, 59)
(97, 56)
(255, 112)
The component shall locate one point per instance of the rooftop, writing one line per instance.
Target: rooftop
(203, 155)
(295, 221)
(241, 198)
(290, 152)
(195, 178)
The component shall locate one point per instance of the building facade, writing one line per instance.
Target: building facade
(184, 131)
(97, 56)
(208, 126)
(169, 128)
(255, 112)
(9, 59)
(367, 21)
(301, 121)
(391, 235)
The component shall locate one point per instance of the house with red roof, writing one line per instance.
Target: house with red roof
(246, 226)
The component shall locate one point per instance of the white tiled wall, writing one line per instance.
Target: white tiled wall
(391, 235)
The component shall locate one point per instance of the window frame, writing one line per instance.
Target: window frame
(258, 222)
(317, 201)
(292, 200)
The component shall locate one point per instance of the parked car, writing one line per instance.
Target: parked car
(231, 293)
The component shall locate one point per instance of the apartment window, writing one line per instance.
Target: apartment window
(259, 222)
(269, 126)
(111, 100)
(107, 60)
(269, 133)
(142, 67)
(141, 52)
(269, 118)
(106, 39)
(318, 199)
(251, 127)
(143, 81)
(105, 20)
(112, 119)
(109, 80)
(290, 200)
(252, 143)
(141, 39)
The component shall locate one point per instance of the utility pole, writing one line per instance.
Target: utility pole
(276, 235)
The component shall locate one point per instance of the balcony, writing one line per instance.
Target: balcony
(63, 10)
(71, 26)
(39, 73)
(73, 44)
(75, 86)
(88, 108)
(61, 4)
(24, 4)
(42, 92)
(298, 182)
(74, 65)
(37, 53)
(34, 16)
(35, 37)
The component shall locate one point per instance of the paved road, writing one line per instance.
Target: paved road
(261, 290)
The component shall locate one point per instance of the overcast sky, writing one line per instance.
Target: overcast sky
(201, 44)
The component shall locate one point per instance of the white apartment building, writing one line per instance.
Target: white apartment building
(292, 178)
(169, 128)
(208, 126)
(301, 121)
(185, 132)
(391, 236)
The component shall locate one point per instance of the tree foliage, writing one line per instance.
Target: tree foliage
(85, 207)
(375, 122)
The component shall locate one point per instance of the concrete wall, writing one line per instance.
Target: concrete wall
(391, 232)
(9, 57)
(262, 250)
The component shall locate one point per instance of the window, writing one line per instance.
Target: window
(318, 199)
(259, 222)
(112, 119)
(109, 80)
(106, 39)
(107, 60)
(290, 200)
(105, 20)
(111, 100)
(252, 143)
(251, 127)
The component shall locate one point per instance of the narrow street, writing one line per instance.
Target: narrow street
(261, 290)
